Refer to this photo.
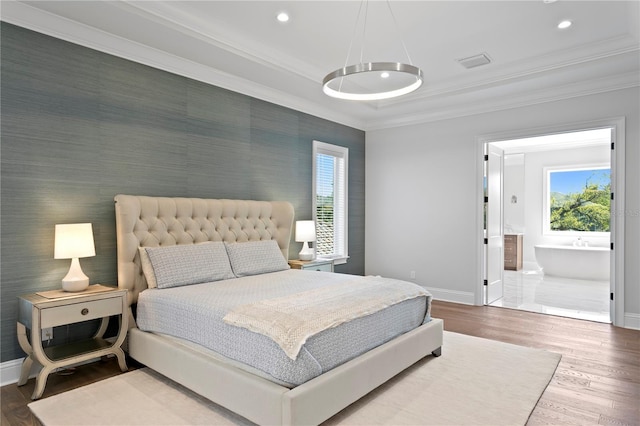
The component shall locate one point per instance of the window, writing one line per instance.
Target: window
(330, 170)
(578, 199)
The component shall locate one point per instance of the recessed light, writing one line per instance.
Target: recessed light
(564, 24)
(384, 75)
(283, 17)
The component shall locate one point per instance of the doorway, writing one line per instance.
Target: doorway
(520, 221)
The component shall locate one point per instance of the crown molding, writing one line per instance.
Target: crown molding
(517, 71)
(550, 94)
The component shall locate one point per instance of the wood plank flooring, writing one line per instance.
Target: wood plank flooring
(597, 380)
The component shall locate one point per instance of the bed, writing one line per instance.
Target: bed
(261, 395)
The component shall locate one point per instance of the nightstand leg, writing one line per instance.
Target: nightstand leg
(26, 347)
(119, 353)
(41, 381)
(103, 327)
(25, 370)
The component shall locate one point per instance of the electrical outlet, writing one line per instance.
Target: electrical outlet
(47, 333)
(412, 275)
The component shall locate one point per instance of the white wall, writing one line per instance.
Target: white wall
(422, 192)
(513, 176)
(535, 190)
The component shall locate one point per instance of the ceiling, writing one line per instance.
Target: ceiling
(239, 45)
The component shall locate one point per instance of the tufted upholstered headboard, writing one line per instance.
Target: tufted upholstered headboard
(161, 221)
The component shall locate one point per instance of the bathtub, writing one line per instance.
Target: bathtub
(584, 263)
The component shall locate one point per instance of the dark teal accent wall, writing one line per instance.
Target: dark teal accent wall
(79, 126)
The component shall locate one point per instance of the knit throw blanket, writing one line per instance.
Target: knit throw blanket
(292, 319)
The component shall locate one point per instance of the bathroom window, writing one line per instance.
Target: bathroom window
(578, 199)
(330, 172)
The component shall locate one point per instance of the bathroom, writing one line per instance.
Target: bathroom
(550, 269)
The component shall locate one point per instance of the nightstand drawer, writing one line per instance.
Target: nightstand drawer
(78, 312)
(324, 267)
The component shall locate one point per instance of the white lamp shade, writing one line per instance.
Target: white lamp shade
(305, 231)
(73, 241)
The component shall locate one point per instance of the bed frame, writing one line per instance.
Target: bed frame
(154, 221)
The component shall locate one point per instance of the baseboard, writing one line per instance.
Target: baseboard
(463, 297)
(632, 321)
(10, 371)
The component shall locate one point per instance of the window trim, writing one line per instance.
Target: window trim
(339, 152)
(546, 198)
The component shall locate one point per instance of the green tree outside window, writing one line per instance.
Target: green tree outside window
(583, 209)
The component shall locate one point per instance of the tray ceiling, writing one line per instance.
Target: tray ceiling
(239, 45)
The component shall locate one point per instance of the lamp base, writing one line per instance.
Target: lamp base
(75, 280)
(307, 253)
(75, 286)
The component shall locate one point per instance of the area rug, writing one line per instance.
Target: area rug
(475, 382)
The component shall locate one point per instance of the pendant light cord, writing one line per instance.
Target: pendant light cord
(364, 32)
(395, 22)
(353, 37)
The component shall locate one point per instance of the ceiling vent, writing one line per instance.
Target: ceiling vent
(475, 61)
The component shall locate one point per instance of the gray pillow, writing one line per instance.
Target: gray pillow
(256, 257)
(173, 266)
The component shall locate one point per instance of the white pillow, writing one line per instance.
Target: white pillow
(173, 266)
(147, 268)
(256, 257)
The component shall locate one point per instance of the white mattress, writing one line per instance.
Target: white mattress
(195, 313)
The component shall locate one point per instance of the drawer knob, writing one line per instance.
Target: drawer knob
(85, 311)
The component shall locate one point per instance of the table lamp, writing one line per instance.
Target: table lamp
(305, 232)
(73, 241)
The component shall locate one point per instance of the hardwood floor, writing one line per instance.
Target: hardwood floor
(597, 380)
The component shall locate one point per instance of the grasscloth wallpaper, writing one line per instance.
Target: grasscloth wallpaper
(79, 126)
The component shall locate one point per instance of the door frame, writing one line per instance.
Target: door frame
(617, 206)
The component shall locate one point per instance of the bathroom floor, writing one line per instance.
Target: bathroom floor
(532, 291)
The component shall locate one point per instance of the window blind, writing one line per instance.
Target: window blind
(330, 185)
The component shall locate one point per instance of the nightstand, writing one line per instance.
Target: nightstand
(55, 308)
(313, 265)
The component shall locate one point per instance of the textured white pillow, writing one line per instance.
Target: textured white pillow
(147, 268)
(256, 257)
(173, 266)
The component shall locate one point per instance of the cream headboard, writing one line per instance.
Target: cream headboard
(161, 221)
